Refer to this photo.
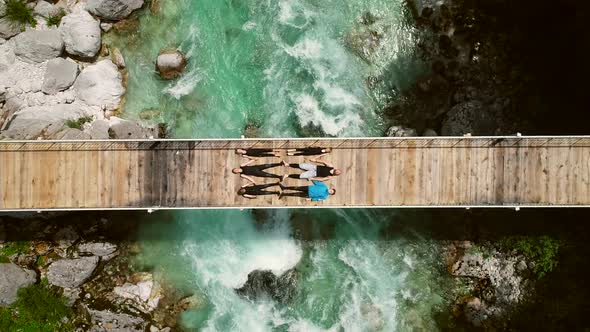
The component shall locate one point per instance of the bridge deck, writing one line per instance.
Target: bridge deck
(464, 171)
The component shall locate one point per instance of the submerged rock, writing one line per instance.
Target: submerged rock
(59, 75)
(113, 10)
(100, 85)
(71, 273)
(262, 284)
(170, 64)
(12, 278)
(35, 46)
(81, 34)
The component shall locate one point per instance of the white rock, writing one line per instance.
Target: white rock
(12, 278)
(45, 9)
(34, 46)
(125, 129)
(145, 292)
(9, 28)
(98, 129)
(106, 27)
(37, 121)
(113, 10)
(170, 64)
(100, 85)
(71, 273)
(81, 34)
(59, 75)
(71, 133)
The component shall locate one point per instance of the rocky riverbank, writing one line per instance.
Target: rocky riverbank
(89, 263)
(58, 79)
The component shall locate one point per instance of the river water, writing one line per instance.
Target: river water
(285, 68)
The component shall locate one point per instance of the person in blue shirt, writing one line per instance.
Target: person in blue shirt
(319, 191)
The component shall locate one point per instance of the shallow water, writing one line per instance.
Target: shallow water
(285, 68)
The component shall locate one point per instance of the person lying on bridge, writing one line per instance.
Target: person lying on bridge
(255, 152)
(251, 190)
(319, 191)
(309, 151)
(256, 170)
(320, 172)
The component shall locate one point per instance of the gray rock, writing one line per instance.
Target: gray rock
(65, 237)
(2, 8)
(266, 284)
(122, 129)
(170, 64)
(81, 34)
(112, 322)
(72, 295)
(71, 133)
(71, 273)
(12, 278)
(144, 293)
(9, 28)
(113, 10)
(476, 311)
(97, 248)
(35, 46)
(7, 59)
(399, 131)
(468, 117)
(429, 133)
(45, 9)
(98, 129)
(38, 121)
(100, 85)
(59, 75)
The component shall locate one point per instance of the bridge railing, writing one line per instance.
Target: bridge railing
(278, 143)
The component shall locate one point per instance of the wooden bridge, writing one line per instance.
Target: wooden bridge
(510, 171)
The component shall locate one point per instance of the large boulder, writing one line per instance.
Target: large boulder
(100, 85)
(12, 278)
(42, 121)
(113, 10)
(125, 129)
(144, 292)
(71, 273)
(262, 284)
(170, 64)
(81, 34)
(9, 28)
(35, 46)
(98, 129)
(45, 9)
(59, 75)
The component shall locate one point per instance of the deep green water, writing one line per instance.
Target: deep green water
(287, 68)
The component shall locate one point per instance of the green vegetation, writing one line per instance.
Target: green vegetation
(77, 124)
(16, 247)
(18, 11)
(55, 19)
(37, 309)
(542, 250)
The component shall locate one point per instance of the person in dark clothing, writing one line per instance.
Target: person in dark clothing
(255, 152)
(320, 172)
(251, 190)
(256, 170)
(309, 151)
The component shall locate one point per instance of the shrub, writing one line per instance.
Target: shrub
(55, 19)
(18, 11)
(16, 247)
(37, 308)
(542, 250)
(77, 124)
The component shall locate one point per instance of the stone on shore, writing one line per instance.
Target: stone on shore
(113, 10)
(399, 131)
(12, 278)
(71, 133)
(118, 58)
(106, 320)
(9, 28)
(100, 85)
(81, 34)
(45, 9)
(170, 64)
(97, 248)
(35, 46)
(71, 273)
(59, 75)
(43, 121)
(145, 293)
(125, 129)
(468, 117)
(98, 129)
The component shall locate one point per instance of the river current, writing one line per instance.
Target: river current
(285, 68)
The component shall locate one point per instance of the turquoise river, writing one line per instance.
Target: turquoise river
(285, 68)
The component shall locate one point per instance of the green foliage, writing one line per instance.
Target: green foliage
(16, 247)
(77, 124)
(37, 309)
(18, 11)
(543, 250)
(4, 259)
(55, 19)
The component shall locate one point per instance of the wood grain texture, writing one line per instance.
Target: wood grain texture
(463, 172)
